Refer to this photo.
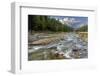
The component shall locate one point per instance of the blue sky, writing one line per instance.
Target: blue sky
(72, 21)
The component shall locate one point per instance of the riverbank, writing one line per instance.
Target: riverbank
(46, 38)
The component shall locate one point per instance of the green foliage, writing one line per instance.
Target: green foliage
(83, 28)
(45, 23)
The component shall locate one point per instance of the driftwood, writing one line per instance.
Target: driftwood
(43, 41)
(46, 41)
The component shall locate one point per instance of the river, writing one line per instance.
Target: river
(72, 46)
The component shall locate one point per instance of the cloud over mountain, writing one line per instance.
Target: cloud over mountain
(72, 22)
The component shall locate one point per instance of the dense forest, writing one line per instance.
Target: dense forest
(45, 23)
(83, 29)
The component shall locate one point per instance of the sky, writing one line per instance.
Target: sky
(72, 21)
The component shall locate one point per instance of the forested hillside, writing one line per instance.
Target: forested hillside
(83, 29)
(45, 23)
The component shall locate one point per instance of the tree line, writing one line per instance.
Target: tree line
(83, 29)
(45, 23)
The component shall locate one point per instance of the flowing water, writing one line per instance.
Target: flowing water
(65, 47)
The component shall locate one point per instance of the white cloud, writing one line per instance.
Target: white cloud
(68, 21)
(72, 22)
(61, 21)
(81, 24)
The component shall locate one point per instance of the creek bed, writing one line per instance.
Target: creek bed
(60, 47)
